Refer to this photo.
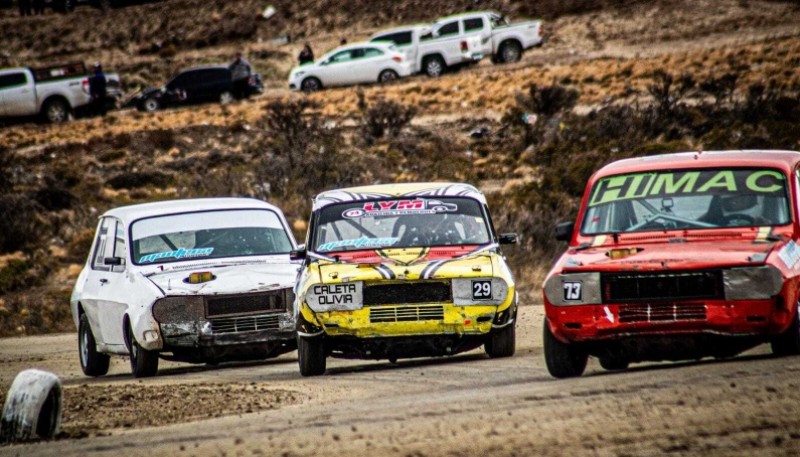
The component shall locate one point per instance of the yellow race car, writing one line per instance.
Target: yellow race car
(399, 271)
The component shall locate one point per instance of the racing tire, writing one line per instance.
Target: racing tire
(788, 342)
(33, 407)
(311, 356)
(433, 66)
(226, 98)
(149, 104)
(311, 84)
(56, 111)
(613, 363)
(562, 360)
(144, 363)
(510, 52)
(388, 76)
(93, 363)
(501, 342)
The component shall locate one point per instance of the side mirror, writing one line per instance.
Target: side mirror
(114, 261)
(508, 238)
(564, 231)
(299, 253)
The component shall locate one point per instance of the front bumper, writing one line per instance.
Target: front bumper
(249, 330)
(586, 323)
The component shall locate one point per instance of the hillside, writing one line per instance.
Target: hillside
(730, 70)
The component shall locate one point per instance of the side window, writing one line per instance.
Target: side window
(473, 24)
(99, 252)
(12, 79)
(357, 53)
(372, 52)
(343, 56)
(451, 28)
(120, 248)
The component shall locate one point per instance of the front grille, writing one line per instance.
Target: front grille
(662, 312)
(275, 300)
(626, 287)
(245, 323)
(407, 314)
(408, 293)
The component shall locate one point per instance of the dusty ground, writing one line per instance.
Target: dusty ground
(462, 406)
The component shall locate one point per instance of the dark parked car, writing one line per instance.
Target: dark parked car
(194, 85)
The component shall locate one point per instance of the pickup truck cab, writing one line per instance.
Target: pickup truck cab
(54, 92)
(676, 257)
(502, 40)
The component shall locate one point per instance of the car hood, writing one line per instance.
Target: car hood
(408, 264)
(672, 256)
(228, 279)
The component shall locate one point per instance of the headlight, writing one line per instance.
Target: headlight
(298, 74)
(573, 289)
(179, 309)
(479, 291)
(752, 283)
(343, 296)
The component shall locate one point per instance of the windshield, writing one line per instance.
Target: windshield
(208, 235)
(687, 199)
(402, 223)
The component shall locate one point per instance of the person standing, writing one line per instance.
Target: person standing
(25, 7)
(306, 55)
(97, 90)
(240, 75)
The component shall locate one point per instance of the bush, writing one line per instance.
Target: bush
(24, 231)
(383, 117)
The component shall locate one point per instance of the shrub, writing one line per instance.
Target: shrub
(26, 229)
(383, 117)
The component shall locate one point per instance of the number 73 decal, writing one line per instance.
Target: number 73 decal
(572, 291)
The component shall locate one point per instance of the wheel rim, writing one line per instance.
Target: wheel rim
(225, 98)
(510, 53)
(84, 349)
(388, 76)
(310, 85)
(56, 112)
(150, 105)
(434, 68)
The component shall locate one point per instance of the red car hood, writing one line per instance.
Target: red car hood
(671, 256)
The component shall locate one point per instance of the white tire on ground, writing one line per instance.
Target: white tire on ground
(33, 407)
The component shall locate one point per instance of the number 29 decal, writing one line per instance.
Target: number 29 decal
(482, 290)
(572, 291)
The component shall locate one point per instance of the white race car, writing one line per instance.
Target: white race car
(200, 281)
(358, 63)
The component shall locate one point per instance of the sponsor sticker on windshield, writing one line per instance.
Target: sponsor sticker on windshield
(178, 254)
(693, 182)
(358, 243)
(400, 208)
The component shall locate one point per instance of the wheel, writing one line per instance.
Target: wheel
(93, 363)
(563, 360)
(310, 85)
(32, 408)
(788, 342)
(510, 52)
(501, 342)
(311, 356)
(150, 104)
(613, 363)
(144, 363)
(388, 76)
(56, 111)
(433, 66)
(226, 97)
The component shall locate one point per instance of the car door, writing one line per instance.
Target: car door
(371, 62)
(107, 288)
(478, 28)
(212, 82)
(17, 93)
(337, 70)
(176, 89)
(448, 42)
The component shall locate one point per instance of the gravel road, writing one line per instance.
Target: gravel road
(466, 405)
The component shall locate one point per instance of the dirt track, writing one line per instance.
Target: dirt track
(463, 406)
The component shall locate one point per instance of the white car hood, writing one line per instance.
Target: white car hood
(229, 279)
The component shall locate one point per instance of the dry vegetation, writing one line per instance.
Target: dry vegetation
(616, 80)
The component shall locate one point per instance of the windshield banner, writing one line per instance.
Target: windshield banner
(690, 182)
(400, 208)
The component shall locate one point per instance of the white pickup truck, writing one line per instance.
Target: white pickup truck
(433, 49)
(54, 92)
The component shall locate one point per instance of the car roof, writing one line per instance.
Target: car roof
(464, 14)
(784, 160)
(404, 28)
(205, 67)
(361, 44)
(382, 191)
(131, 213)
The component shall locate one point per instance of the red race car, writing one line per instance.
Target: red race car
(676, 257)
